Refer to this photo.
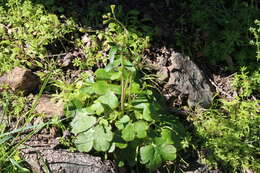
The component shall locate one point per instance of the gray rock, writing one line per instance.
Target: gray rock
(186, 77)
(177, 73)
(60, 161)
(43, 154)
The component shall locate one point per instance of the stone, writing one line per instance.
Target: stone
(60, 161)
(186, 77)
(177, 73)
(43, 154)
(21, 79)
(48, 106)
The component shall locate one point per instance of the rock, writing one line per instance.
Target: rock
(50, 107)
(42, 153)
(59, 161)
(163, 74)
(21, 79)
(186, 77)
(178, 74)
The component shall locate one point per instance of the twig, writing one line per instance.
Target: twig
(56, 55)
(219, 89)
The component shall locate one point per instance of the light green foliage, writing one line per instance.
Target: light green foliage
(232, 135)
(247, 84)
(11, 165)
(25, 31)
(230, 132)
(95, 46)
(113, 113)
(12, 105)
(256, 32)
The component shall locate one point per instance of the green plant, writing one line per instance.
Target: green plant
(247, 84)
(25, 32)
(11, 165)
(217, 30)
(15, 118)
(95, 46)
(114, 113)
(230, 136)
(256, 32)
(230, 131)
(12, 105)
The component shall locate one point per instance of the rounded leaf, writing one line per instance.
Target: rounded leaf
(150, 156)
(81, 123)
(128, 133)
(84, 141)
(168, 152)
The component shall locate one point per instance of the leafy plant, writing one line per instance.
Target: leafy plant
(230, 131)
(230, 136)
(230, 20)
(96, 46)
(114, 113)
(9, 164)
(256, 32)
(25, 32)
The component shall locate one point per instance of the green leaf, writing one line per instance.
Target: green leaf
(98, 108)
(103, 138)
(120, 123)
(150, 156)
(129, 65)
(112, 147)
(77, 103)
(109, 99)
(121, 145)
(168, 152)
(116, 75)
(128, 133)
(165, 138)
(101, 87)
(5, 139)
(99, 138)
(87, 90)
(85, 141)
(138, 115)
(82, 122)
(112, 54)
(147, 113)
(135, 88)
(112, 7)
(103, 74)
(113, 65)
(141, 128)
